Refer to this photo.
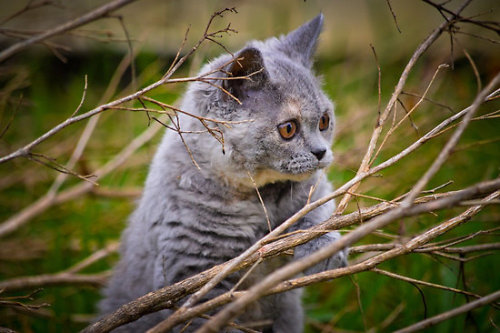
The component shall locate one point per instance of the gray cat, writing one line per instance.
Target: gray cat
(191, 219)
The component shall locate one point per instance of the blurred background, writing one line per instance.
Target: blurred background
(42, 86)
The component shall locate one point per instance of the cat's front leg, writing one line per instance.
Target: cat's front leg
(337, 260)
(313, 218)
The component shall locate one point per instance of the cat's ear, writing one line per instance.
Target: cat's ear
(301, 43)
(249, 65)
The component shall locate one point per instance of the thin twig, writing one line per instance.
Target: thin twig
(82, 99)
(90, 127)
(94, 257)
(395, 127)
(365, 163)
(452, 313)
(96, 280)
(261, 201)
(29, 6)
(393, 15)
(379, 81)
(424, 283)
(42, 204)
(53, 164)
(452, 142)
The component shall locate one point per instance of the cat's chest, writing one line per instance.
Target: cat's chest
(257, 208)
(203, 202)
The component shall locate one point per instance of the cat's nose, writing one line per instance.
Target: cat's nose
(319, 153)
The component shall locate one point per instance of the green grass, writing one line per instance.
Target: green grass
(73, 230)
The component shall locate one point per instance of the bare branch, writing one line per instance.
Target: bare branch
(393, 15)
(96, 280)
(24, 151)
(261, 201)
(424, 283)
(407, 115)
(15, 301)
(94, 257)
(397, 91)
(83, 98)
(452, 142)
(261, 288)
(31, 5)
(452, 313)
(91, 125)
(72, 24)
(168, 296)
(487, 25)
(68, 276)
(409, 246)
(42, 204)
(379, 81)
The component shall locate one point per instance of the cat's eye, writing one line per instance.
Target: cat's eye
(287, 129)
(324, 122)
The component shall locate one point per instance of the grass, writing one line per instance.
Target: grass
(68, 233)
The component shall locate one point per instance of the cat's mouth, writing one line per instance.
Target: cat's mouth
(304, 165)
(296, 169)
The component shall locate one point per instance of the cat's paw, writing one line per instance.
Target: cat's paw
(335, 261)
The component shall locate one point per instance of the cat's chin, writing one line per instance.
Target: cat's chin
(267, 176)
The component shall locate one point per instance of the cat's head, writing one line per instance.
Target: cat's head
(291, 128)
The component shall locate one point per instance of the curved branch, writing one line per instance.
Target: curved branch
(96, 280)
(81, 20)
(452, 313)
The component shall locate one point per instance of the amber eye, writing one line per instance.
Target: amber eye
(288, 129)
(324, 122)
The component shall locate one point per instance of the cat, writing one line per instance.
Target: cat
(190, 219)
